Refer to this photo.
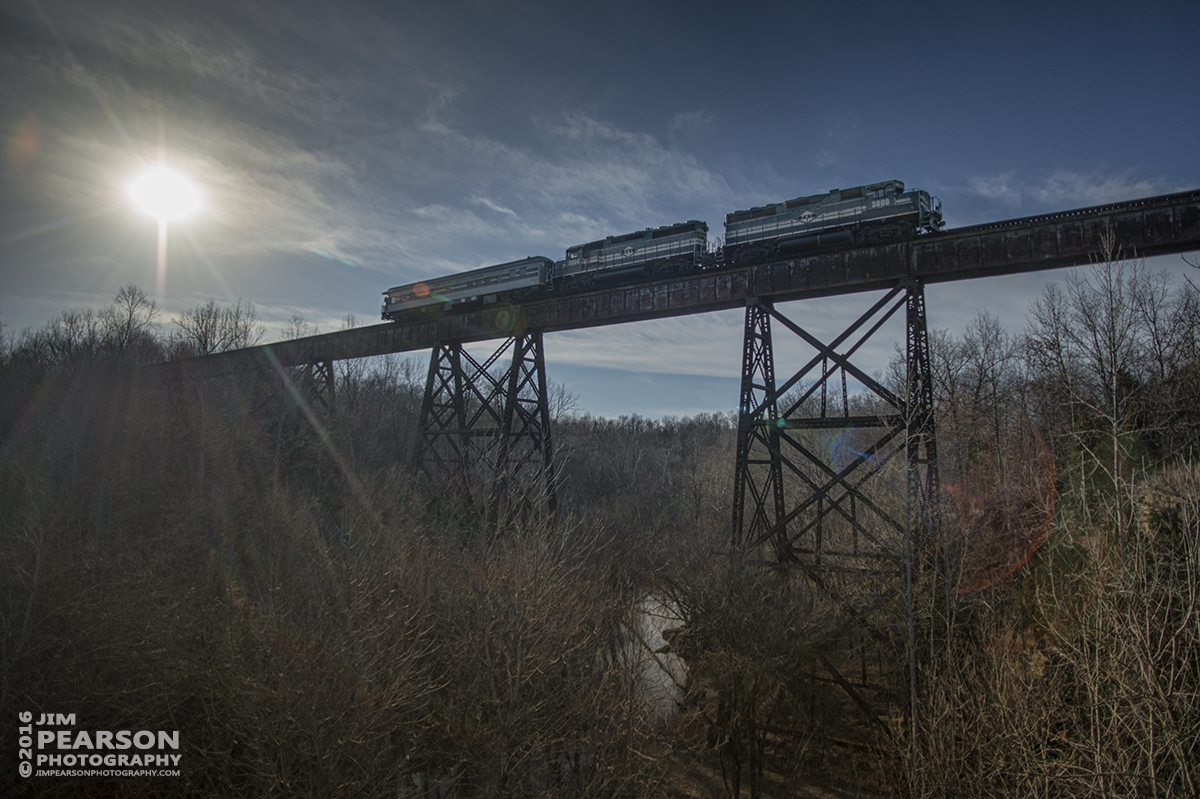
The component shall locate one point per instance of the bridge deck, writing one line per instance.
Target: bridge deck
(1152, 226)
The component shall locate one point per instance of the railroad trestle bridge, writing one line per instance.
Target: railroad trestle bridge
(480, 417)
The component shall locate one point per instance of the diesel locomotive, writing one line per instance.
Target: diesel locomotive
(655, 252)
(860, 216)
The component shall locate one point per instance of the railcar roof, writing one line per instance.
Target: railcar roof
(505, 265)
(650, 232)
(848, 193)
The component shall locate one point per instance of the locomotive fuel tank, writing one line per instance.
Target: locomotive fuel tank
(820, 241)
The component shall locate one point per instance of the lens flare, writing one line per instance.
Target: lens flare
(503, 319)
(848, 446)
(24, 143)
(1002, 510)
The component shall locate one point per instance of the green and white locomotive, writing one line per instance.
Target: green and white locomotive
(861, 216)
(653, 253)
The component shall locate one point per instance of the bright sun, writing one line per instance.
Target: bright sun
(164, 194)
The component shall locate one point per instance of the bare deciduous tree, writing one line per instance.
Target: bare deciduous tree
(210, 328)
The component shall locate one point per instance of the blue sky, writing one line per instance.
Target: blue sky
(345, 147)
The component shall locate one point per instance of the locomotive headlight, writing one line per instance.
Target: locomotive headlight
(164, 194)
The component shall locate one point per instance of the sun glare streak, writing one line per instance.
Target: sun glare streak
(216, 273)
(49, 227)
(86, 74)
(160, 269)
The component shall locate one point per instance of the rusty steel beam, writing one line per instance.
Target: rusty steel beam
(1152, 226)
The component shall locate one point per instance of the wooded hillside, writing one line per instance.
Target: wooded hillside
(233, 561)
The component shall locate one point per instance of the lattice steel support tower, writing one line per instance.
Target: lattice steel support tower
(485, 430)
(921, 444)
(802, 441)
(322, 380)
(840, 487)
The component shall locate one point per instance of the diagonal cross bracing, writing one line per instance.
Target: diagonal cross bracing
(524, 477)
(485, 430)
(823, 458)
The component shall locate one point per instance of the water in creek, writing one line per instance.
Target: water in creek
(662, 674)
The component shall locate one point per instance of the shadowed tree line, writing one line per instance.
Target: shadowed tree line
(228, 559)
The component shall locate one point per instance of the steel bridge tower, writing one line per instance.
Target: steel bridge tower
(809, 437)
(485, 430)
(842, 486)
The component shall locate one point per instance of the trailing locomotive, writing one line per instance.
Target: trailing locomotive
(864, 215)
(647, 254)
(861, 216)
(654, 252)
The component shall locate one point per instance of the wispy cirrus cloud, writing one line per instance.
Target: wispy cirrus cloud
(300, 154)
(574, 178)
(690, 123)
(1013, 193)
(709, 344)
(500, 209)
